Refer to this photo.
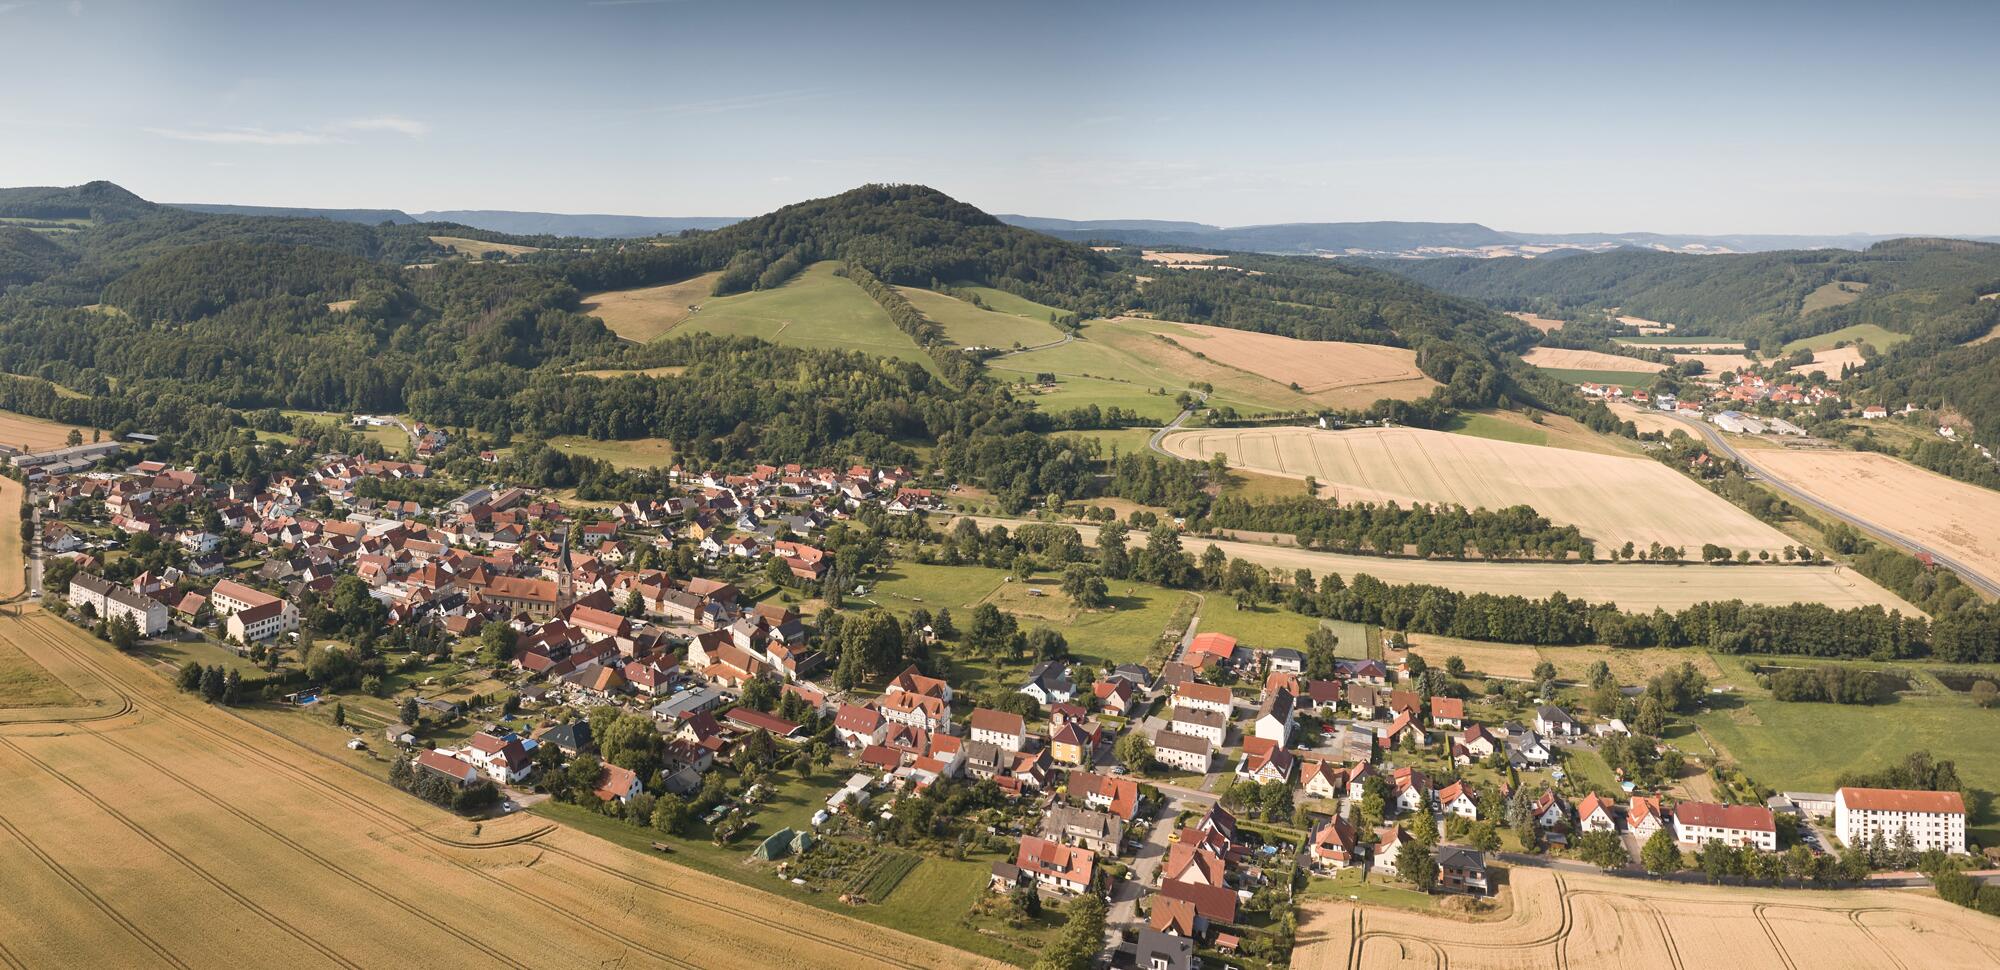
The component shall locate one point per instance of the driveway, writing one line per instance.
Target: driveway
(1125, 895)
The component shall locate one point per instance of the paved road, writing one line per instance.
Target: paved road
(1152, 854)
(34, 543)
(1990, 585)
(1174, 425)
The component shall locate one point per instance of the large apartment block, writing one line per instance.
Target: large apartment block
(1934, 819)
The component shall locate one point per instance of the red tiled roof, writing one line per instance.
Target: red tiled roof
(1752, 818)
(1902, 800)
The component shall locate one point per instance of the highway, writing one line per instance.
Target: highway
(1989, 585)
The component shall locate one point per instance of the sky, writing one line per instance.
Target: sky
(1679, 117)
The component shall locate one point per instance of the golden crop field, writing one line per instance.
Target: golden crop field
(1632, 586)
(1539, 322)
(1647, 419)
(1518, 660)
(1318, 367)
(1958, 520)
(1830, 362)
(641, 314)
(35, 434)
(1612, 499)
(146, 829)
(1562, 359)
(1717, 363)
(480, 247)
(1571, 920)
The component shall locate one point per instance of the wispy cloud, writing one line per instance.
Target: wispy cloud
(11, 7)
(395, 123)
(323, 135)
(244, 136)
(627, 3)
(75, 8)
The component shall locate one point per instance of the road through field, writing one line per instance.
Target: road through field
(1972, 551)
(161, 831)
(1633, 586)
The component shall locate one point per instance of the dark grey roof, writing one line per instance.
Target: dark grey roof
(1460, 857)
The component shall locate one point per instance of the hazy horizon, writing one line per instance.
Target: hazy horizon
(1709, 119)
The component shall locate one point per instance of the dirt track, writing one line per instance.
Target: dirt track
(149, 829)
(1581, 921)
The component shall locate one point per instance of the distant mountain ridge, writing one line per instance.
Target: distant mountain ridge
(1427, 239)
(515, 223)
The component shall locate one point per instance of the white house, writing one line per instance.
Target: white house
(1274, 717)
(1203, 697)
(1699, 823)
(999, 728)
(1205, 724)
(110, 601)
(262, 622)
(1553, 721)
(1934, 819)
(1183, 751)
(1593, 814)
(1456, 799)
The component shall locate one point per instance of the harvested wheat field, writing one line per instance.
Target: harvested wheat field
(1539, 322)
(1717, 363)
(1575, 920)
(480, 247)
(641, 314)
(1558, 358)
(1829, 362)
(1632, 586)
(35, 434)
(1647, 419)
(154, 830)
(1647, 327)
(1518, 660)
(1317, 367)
(1178, 259)
(1612, 499)
(1958, 520)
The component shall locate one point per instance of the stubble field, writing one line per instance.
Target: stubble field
(1329, 371)
(1830, 362)
(1958, 520)
(1632, 586)
(147, 829)
(1612, 499)
(644, 313)
(35, 434)
(1558, 358)
(1573, 921)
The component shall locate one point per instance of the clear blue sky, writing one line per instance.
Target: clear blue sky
(1674, 117)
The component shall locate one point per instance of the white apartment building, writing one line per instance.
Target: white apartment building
(110, 601)
(1934, 819)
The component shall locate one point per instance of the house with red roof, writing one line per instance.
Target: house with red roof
(1052, 865)
(1593, 814)
(1699, 823)
(1217, 647)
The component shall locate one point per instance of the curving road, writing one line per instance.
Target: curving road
(1174, 425)
(1986, 584)
(1028, 350)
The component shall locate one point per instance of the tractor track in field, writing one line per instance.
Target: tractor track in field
(221, 885)
(439, 843)
(102, 905)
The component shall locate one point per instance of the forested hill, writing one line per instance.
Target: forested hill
(156, 311)
(1900, 285)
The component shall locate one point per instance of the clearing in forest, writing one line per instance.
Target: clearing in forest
(1613, 500)
(1831, 362)
(479, 247)
(646, 312)
(1539, 322)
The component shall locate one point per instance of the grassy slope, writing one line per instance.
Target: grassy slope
(971, 326)
(1807, 746)
(630, 453)
(1622, 378)
(815, 309)
(1490, 426)
(1882, 339)
(1118, 362)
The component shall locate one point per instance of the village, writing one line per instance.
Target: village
(652, 662)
